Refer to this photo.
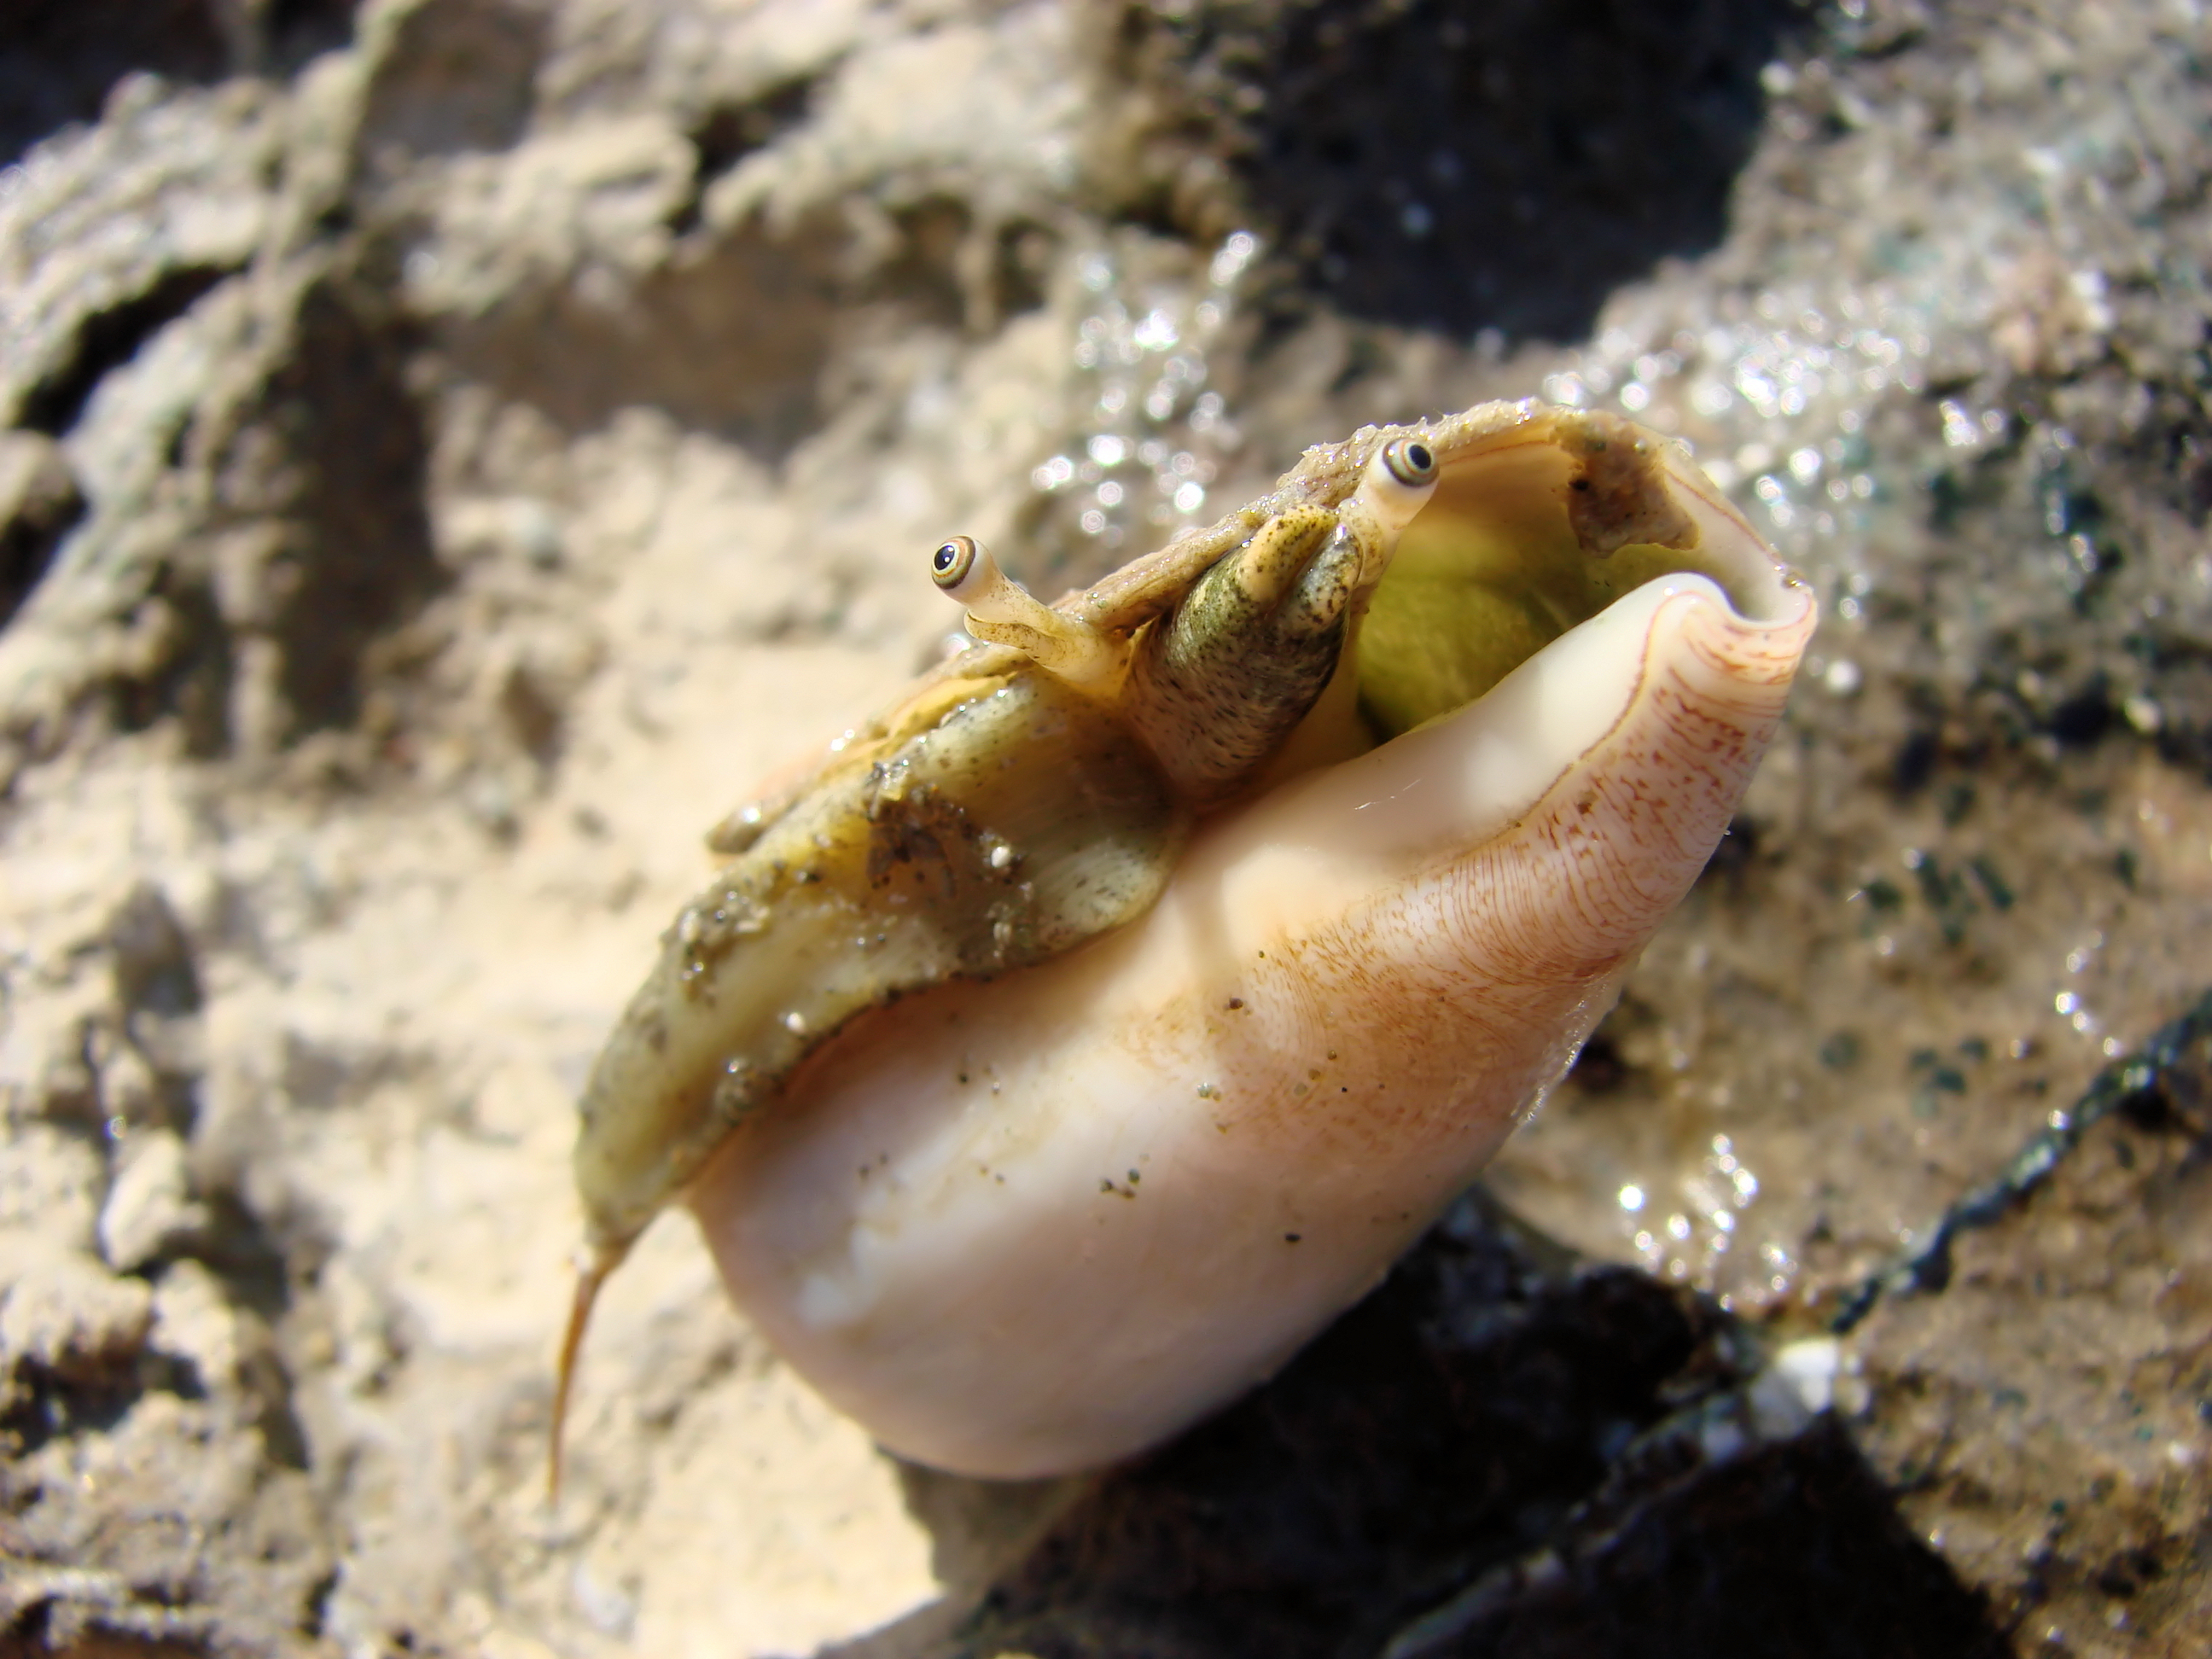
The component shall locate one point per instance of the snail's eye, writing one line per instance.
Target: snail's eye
(1411, 462)
(950, 565)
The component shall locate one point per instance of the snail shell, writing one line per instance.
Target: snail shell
(1039, 1199)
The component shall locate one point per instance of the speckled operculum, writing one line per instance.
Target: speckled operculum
(1037, 1225)
(1017, 823)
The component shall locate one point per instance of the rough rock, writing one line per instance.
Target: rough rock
(67, 1320)
(150, 1209)
(38, 501)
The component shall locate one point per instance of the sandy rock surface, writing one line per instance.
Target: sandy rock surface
(454, 448)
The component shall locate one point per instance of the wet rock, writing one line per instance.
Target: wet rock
(2042, 1403)
(1767, 1535)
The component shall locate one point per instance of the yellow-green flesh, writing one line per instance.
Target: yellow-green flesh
(1487, 576)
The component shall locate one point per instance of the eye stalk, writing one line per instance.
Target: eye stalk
(964, 570)
(1397, 484)
(951, 564)
(1002, 610)
(1411, 462)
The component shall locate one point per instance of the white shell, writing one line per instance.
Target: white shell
(1029, 1226)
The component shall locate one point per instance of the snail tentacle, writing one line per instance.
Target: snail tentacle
(1001, 610)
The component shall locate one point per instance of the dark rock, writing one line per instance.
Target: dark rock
(1463, 167)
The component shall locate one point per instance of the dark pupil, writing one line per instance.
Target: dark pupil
(1418, 457)
(945, 555)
